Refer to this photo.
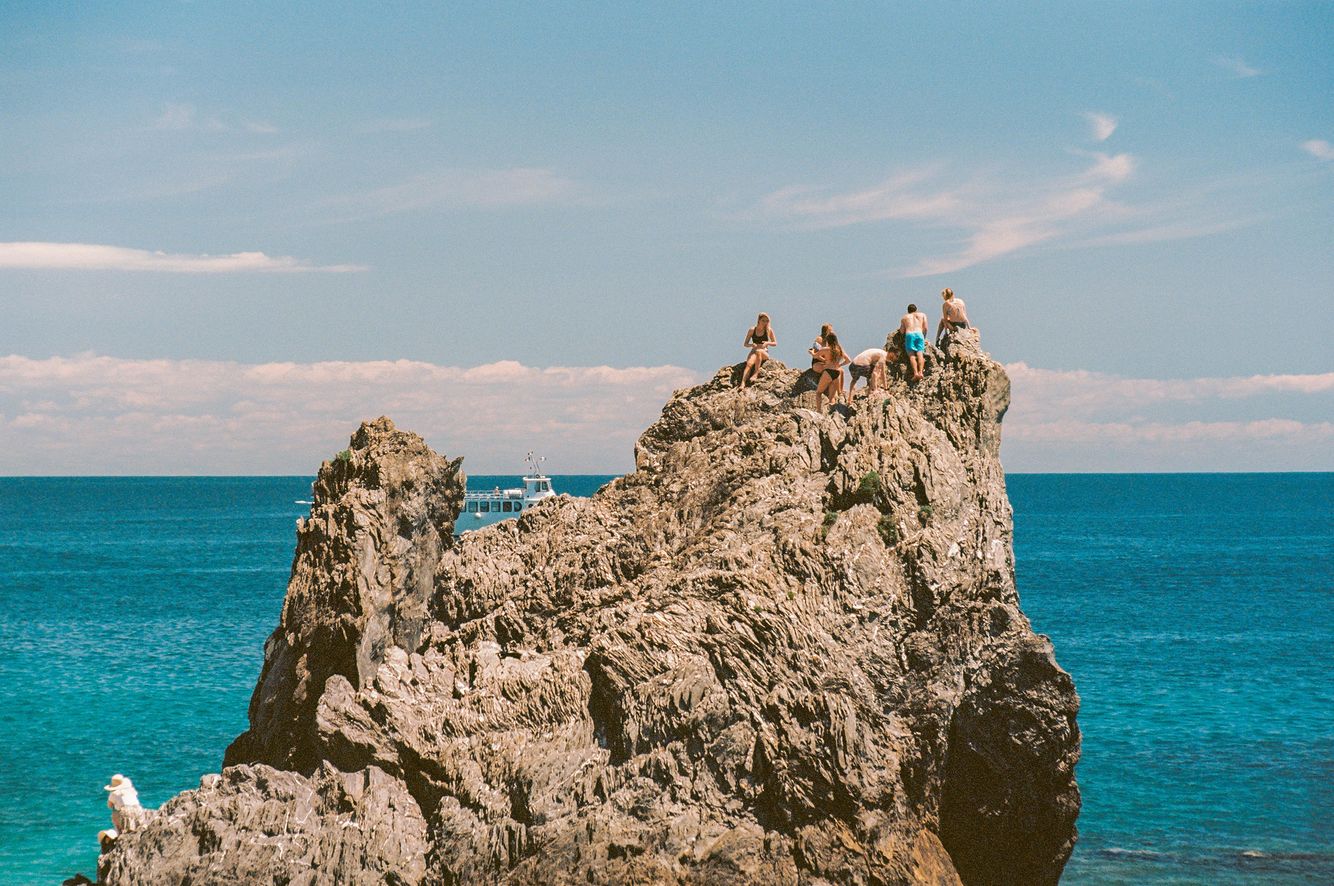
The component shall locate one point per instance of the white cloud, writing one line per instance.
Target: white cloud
(91, 414)
(185, 117)
(95, 414)
(895, 198)
(394, 124)
(181, 117)
(99, 257)
(457, 189)
(1319, 149)
(1064, 391)
(1237, 66)
(1079, 420)
(1101, 126)
(990, 217)
(1007, 223)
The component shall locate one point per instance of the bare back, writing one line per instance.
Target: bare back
(954, 310)
(916, 322)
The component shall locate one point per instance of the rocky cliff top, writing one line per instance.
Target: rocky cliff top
(786, 649)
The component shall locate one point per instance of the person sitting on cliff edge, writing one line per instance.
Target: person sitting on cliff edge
(914, 325)
(126, 813)
(953, 315)
(758, 338)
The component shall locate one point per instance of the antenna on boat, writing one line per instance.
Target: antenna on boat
(535, 463)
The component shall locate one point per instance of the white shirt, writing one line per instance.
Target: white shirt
(869, 356)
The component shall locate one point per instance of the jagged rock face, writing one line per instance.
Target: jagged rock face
(786, 649)
(383, 512)
(268, 826)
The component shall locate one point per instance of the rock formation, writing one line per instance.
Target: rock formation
(786, 649)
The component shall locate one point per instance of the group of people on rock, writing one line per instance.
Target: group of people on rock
(828, 358)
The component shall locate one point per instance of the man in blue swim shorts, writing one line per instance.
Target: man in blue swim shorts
(914, 327)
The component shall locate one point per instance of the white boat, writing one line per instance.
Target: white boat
(486, 508)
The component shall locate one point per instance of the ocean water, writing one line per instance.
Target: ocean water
(1196, 613)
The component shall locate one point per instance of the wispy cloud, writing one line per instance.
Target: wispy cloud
(99, 257)
(185, 117)
(1079, 420)
(1237, 66)
(1166, 233)
(457, 189)
(394, 124)
(97, 414)
(1008, 222)
(990, 217)
(909, 195)
(1101, 126)
(1319, 149)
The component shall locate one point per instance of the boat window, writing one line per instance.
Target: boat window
(472, 507)
(484, 507)
(507, 507)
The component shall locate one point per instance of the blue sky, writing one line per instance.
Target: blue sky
(1139, 191)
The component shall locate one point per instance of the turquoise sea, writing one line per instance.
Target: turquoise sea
(1196, 613)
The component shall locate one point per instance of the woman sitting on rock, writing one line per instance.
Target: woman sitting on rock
(758, 338)
(832, 360)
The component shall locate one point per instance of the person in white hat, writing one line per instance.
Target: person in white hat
(123, 801)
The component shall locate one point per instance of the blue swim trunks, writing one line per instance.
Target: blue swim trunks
(914, 342)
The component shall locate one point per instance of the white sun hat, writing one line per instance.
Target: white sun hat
(117, 781)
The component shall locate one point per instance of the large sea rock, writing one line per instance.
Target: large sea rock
(786, 649)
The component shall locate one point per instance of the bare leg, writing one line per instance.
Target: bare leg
(749, 369)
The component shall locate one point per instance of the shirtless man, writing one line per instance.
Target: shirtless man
(870, 365)
(953, 314)
(914, 327)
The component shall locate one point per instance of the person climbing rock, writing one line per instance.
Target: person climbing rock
(914, 326)
(870, 365)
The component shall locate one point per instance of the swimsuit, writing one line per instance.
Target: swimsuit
(833, 373)
(757, 341)
(864, 363)
(914, 342)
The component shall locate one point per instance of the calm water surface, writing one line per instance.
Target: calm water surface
(1195, 612)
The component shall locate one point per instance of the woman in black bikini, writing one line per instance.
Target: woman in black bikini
(832, 360)
(758, 338)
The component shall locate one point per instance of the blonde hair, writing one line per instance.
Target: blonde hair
(763, 318)
(947, 294)
(826, 329)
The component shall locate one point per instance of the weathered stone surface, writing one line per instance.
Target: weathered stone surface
(748, 661)
(255, 824)
(383, 512)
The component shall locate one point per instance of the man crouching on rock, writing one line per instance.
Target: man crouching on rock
(870, 365)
